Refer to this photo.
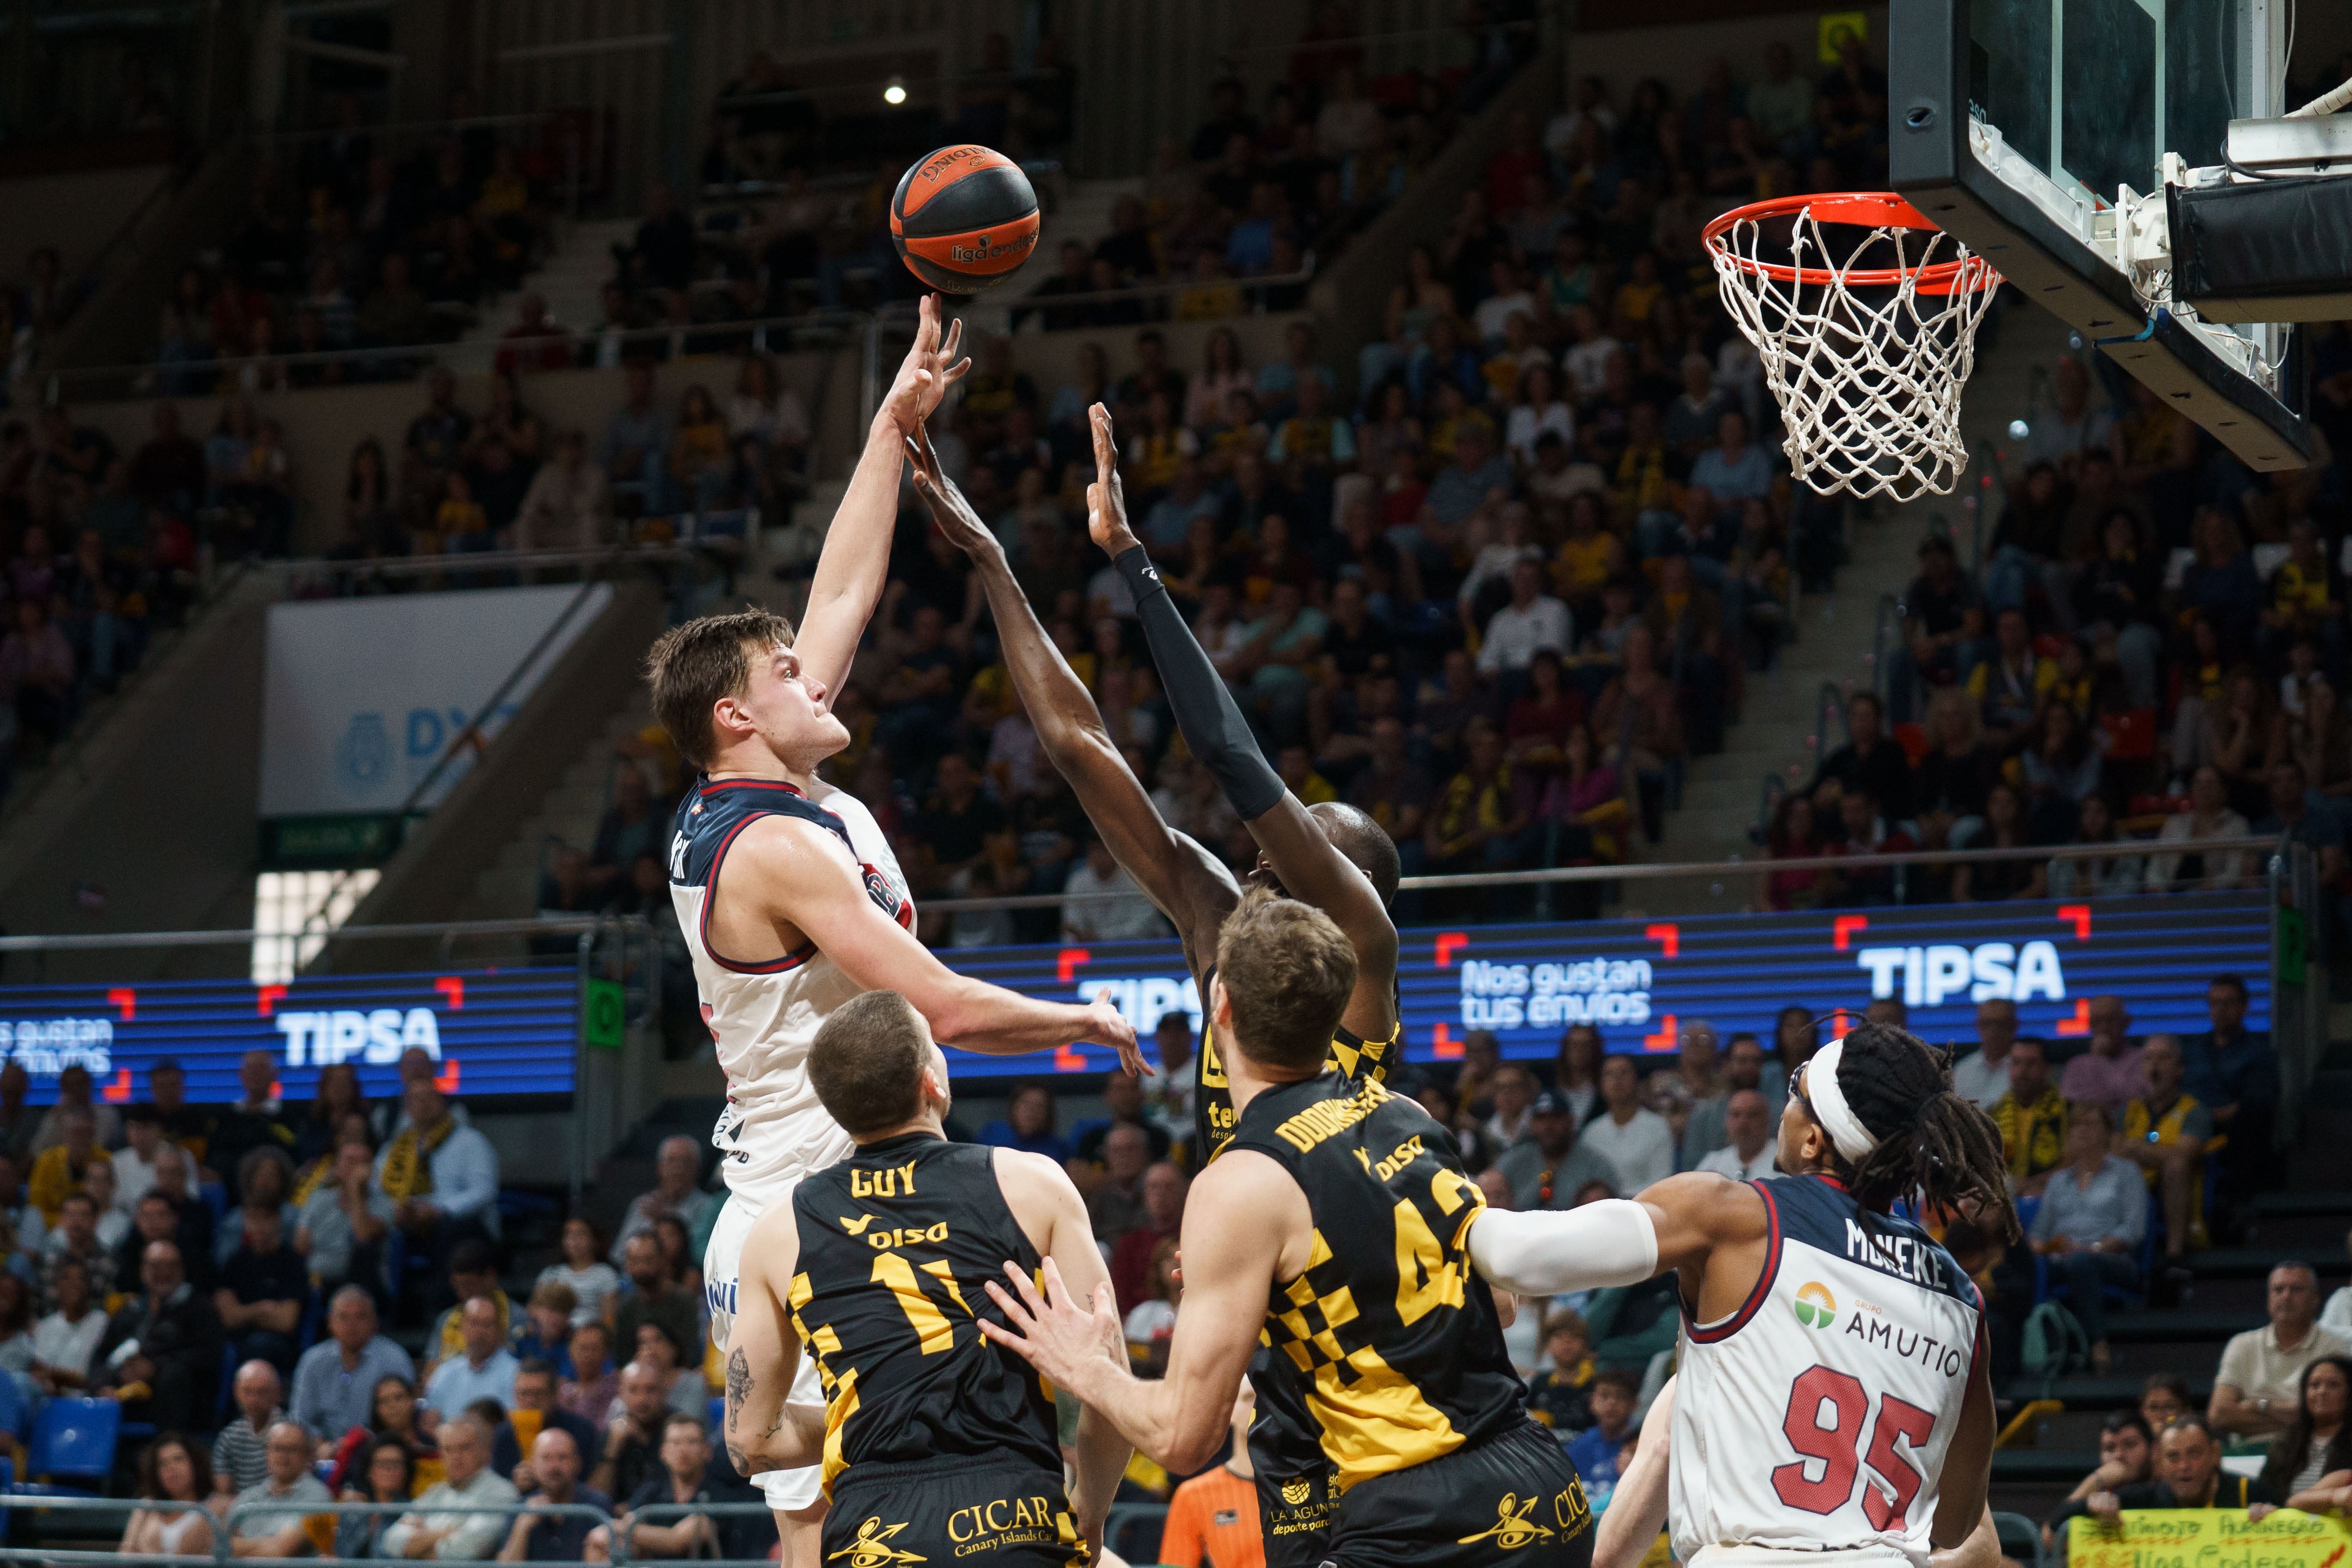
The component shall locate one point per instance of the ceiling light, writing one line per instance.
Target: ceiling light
(896, 93)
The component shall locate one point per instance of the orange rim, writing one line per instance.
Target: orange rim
(1866, 209)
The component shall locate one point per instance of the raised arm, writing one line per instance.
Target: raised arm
(856, 559)
(1055, 1217)
(1180, 1419)
(1191, 887)
(801, 881)
(1676, 1223)
(1309, 867)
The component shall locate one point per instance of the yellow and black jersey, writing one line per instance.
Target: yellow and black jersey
(1398, 1347)
(1352, 1056)
(896, 1243)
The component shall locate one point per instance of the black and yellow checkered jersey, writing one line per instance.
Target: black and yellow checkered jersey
(1351, 1056)
(1398, 1344)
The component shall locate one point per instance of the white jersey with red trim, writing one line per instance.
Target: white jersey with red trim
(763, 1017)
(1816, 1417)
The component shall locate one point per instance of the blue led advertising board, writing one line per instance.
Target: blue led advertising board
(1636, 980)
(494, 1031)
(516, 1031)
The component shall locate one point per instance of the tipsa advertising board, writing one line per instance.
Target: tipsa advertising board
(1637, 981)
(494, 1031)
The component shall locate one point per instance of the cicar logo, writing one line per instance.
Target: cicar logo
(1814, 1306)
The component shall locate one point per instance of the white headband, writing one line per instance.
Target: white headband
(1847, 1134)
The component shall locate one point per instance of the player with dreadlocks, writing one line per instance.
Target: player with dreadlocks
(1822, 1335)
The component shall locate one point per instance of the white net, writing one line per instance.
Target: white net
(1865, 357)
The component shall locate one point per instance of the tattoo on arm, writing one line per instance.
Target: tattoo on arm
(739, 1387)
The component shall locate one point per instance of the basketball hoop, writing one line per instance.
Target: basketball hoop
(1865, 360)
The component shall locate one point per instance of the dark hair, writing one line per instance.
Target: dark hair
(690, 667)
(2192, 1420)
(2233, 981)
(867, 1061)
(2172, 1382)
(407, 1460)
(2291, 1449)
(472, 1256)
(2125, 1420)
(1352, 832)
(677, 1417)
(1930, 1140)
(1626, 1383)
(1288, 973)
(199, 1462)
(376, 1393)
(144, 1113)
(535, 1367)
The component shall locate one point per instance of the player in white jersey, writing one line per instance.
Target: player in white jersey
(1637, 1509)
(1835, 1396)
(786, 889)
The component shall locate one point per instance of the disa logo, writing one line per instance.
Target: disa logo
(1814, 1306)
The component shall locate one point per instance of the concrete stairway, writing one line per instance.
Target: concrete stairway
(1777, 732)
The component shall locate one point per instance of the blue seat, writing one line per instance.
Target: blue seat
(719, 1413)
(75, 1438)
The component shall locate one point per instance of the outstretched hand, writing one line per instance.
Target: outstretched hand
(933, 363)
(1106, 498)
(949, 508)
(1069, 1339)
(1106, 1025)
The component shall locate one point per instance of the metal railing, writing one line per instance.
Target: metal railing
(591, 349)
(619, 1528)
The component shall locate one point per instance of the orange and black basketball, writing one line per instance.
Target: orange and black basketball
(964, 219)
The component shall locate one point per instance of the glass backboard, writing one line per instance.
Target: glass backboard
(2020, 125)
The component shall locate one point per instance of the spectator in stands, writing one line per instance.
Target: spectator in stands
(1028, 1124)
(555, 1461)
(1113, 1184)
(172, 1468)
(591, 1389)
(546, 1332)
(134, 1163)
(1560, 1396)
(66, 1340)
(2207, 815)
(1870, 759)
(1612, 1398)
(241, 1452)
(1638, 1143)
(1164, 1187)
(2311, 1450)
(582, 1269)
(651, 1297)
(1982, 1075)
(1691, 1096)
(336, 1380)
(631, 1455)
(1551, 1166)
(2110, 1071)
(2189, 1474)
(75, 1243)
(485, 1371)
(2165, 1131)
(2256, 1388)
(470, 1484)
(187, 1225)
(636, 445)
(2126, 1457)
(1117, 910)
(677, 1170)
(1747, 1154)
(2091, 1221)
(342, 1225)
(393, 1419)
(171, 1379)
(263, 1291)
(2031, 1118)
(280, 1528)
(391, 1477)
(441, 1175)
(74, 1095)
(2005, 828)
(2233, 1073)
(687, 1477)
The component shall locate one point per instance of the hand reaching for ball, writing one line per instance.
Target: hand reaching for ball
(932, 365)
(1105, 499)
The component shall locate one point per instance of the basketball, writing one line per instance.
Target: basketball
(964, 218)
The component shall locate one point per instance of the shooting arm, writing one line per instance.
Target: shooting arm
(805, 883)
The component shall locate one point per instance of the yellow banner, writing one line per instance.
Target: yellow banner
(2208, 1538)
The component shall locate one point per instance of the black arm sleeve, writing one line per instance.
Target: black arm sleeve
(1205, 711)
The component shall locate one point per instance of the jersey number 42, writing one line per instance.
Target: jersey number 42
(1839, 1448)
